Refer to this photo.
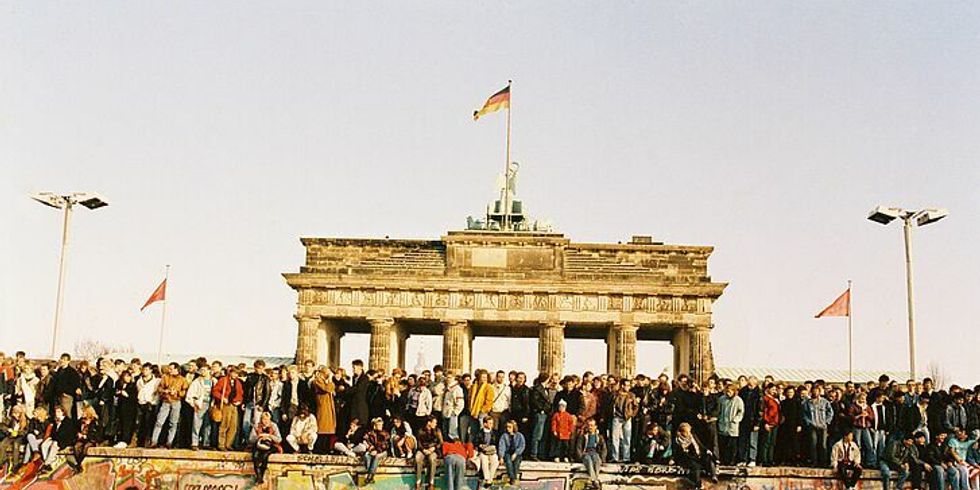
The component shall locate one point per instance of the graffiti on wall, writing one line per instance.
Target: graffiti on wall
(333, 473)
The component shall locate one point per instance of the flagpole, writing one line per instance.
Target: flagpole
(163, 318)
(850, 349)
(506, 203)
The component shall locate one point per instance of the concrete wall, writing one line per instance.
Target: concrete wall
(136, 469)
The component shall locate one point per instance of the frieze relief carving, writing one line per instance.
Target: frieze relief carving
(505, 301)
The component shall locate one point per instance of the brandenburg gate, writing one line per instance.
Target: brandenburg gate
(505, 283)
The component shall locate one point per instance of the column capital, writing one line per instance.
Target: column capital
(383, 321)
(301, 317)
(553, 324)
(625, 326)
(454, 323)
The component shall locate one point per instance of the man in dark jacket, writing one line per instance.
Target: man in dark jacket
(66, 385)
(901, 457)
(256, 398)
(358, 395)
(520, 405)
(540, 409)
(748, 429)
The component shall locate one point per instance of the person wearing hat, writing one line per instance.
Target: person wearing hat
(562, 428)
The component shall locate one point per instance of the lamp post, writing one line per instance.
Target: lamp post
(885, 215)
(65, 202)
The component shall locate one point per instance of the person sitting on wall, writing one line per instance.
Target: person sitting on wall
(486, 459)
(900, 457)
(351, 443)
(690, 453)
(655, 445)
(845, 460)
(510, 448)
(266, 440)
(429, 444)
(403, 442)
(590, 448)
(302, 432)
(89, 435)
(377, 443)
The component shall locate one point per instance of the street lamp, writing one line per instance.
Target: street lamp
(885, 215)
(65, 201)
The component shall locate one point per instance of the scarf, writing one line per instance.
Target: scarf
(687, 442)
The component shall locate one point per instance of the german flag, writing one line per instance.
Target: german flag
(496, 102)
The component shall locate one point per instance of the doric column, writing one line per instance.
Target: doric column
(380, 352)
(702, 361)
(399, 339)
(306, 339)
(456, 339)
(621, 350)
(329, 344)
(682, 351)
(551, 348)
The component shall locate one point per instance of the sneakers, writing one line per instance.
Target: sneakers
(121, 445)
(751, 464)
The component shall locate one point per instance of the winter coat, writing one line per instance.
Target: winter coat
(326, 412)
(481, 399)
(730, 414)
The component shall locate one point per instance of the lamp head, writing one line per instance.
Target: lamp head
(930, 215)
(49, 199)
(884, 214)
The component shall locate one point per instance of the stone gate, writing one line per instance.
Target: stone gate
(510, 284)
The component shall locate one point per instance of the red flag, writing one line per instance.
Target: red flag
(840, 307)
(159, 294)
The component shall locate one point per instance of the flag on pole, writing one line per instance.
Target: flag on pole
(496, 102)
(159, 294)
(840, 307)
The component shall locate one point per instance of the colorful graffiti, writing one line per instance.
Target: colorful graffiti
(180, 470)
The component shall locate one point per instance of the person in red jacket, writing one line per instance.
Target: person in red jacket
(226, 396)
(455, 454)
(562, 428)
(771, 418)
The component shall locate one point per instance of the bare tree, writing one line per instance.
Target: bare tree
(92, 349)
(937, 373)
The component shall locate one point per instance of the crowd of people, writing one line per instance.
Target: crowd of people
(909, 431)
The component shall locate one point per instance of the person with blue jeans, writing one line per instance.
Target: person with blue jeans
(199, 398)
(748, 430)
(510, 448)
(624, 407)
(940, 466)
(902, 458)
(590, 447)
(453, 403)
(959, 447)
(172, 388)
(862, 418)
(817, 415)
(377, 442)
(540, 408)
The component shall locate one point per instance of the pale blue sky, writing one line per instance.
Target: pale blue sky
(220, 132)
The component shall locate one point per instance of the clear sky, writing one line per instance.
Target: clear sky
(221, 132)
